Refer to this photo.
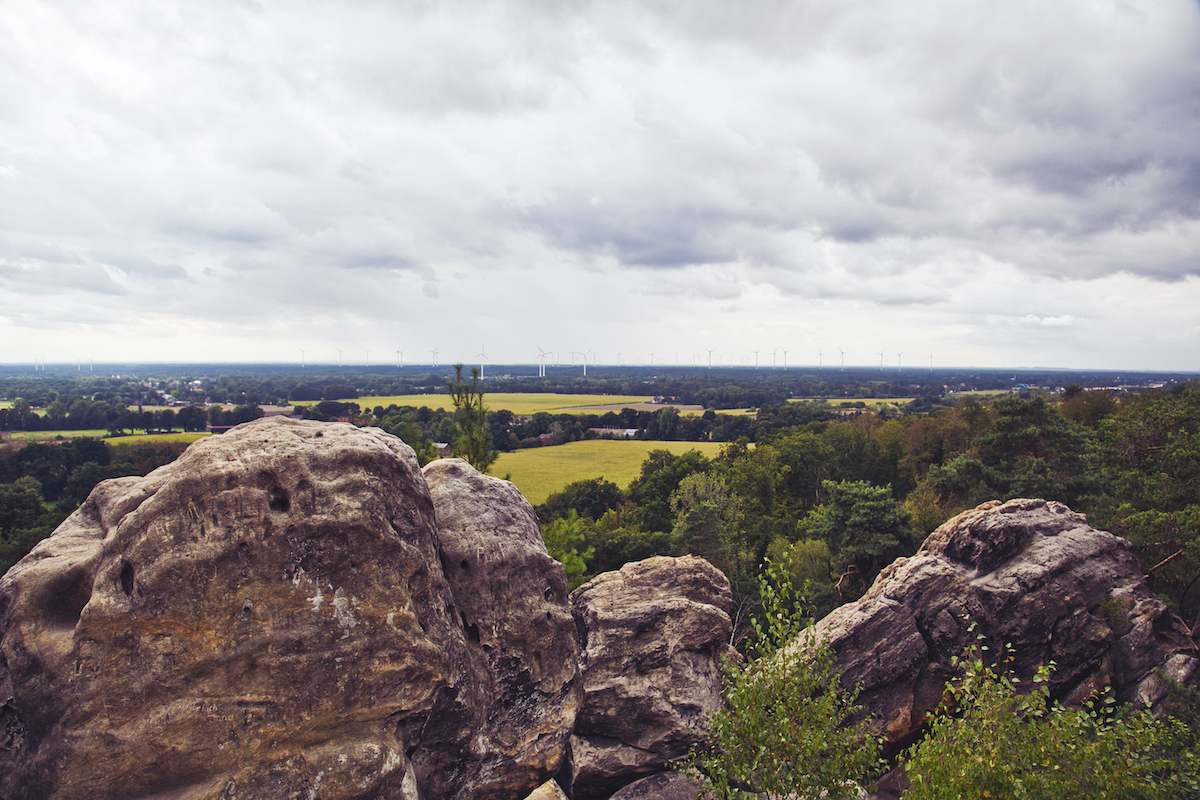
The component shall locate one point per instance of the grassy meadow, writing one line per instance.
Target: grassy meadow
(42, 436)
(39, 436)
(157, 437)
(540, 471)
(521, 403)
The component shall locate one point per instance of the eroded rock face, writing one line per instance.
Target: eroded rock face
(1028, 572)
(511, 598)
(652, 636)
(266, 617)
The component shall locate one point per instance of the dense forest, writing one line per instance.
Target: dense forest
(834, 493)
(838, 499)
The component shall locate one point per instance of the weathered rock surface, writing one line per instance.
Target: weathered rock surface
(652, 636)
(511, 598)
(548, 791)
(1028, 572)
(663, 786)
(268, 617)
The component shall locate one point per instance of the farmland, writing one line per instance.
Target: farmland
(520, 403)
(35, 436)
(540, 471)
(156, 437)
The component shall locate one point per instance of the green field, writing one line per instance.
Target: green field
(37, 436)
(31, 436)
(156, 437)
(521, 403)
(540, 471)
(870, 402)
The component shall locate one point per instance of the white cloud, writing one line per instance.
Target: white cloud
(872, 171)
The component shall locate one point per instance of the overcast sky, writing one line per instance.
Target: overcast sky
(997, 184)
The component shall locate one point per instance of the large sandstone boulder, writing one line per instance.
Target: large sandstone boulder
(511, 598)
(268, 617)
(1028, 572)
(653, 635)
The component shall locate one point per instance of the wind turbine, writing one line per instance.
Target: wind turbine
(931, 361)
(710, 352)
(756, 358)
(843, 352)
(482, 357)
(340, 357)
(881, 352)
(820, 359)
(399, 359)
(302, 352)
(898, 355)
(785, 352)
(434, 352)
(368, 357)
(541, 363)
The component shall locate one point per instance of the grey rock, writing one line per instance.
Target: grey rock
(266, 617)
(653, 635)
(663, 786)
(511, 599)
(1030, 573)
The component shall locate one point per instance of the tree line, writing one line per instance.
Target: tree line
(838, 499)
(835, 497)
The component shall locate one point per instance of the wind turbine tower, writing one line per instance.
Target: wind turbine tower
(710, 352)
(843, 352)
(482, 357)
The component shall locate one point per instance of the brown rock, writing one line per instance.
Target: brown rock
(511, 599)
(653, 634)
(267, 617)
(1028, 572)
(664, 786)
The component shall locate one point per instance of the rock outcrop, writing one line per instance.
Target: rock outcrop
(511, 598)
(1027, 572)
(268, 617)
(652, 636)
(295, 609)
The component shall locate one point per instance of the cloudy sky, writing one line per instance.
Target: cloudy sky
(994, 183)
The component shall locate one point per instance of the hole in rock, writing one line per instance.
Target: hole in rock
(466, 566)
(279, 499)
(126, 578)
(66, 598)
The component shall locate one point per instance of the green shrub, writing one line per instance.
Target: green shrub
(1002, 744)
(785, 727)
